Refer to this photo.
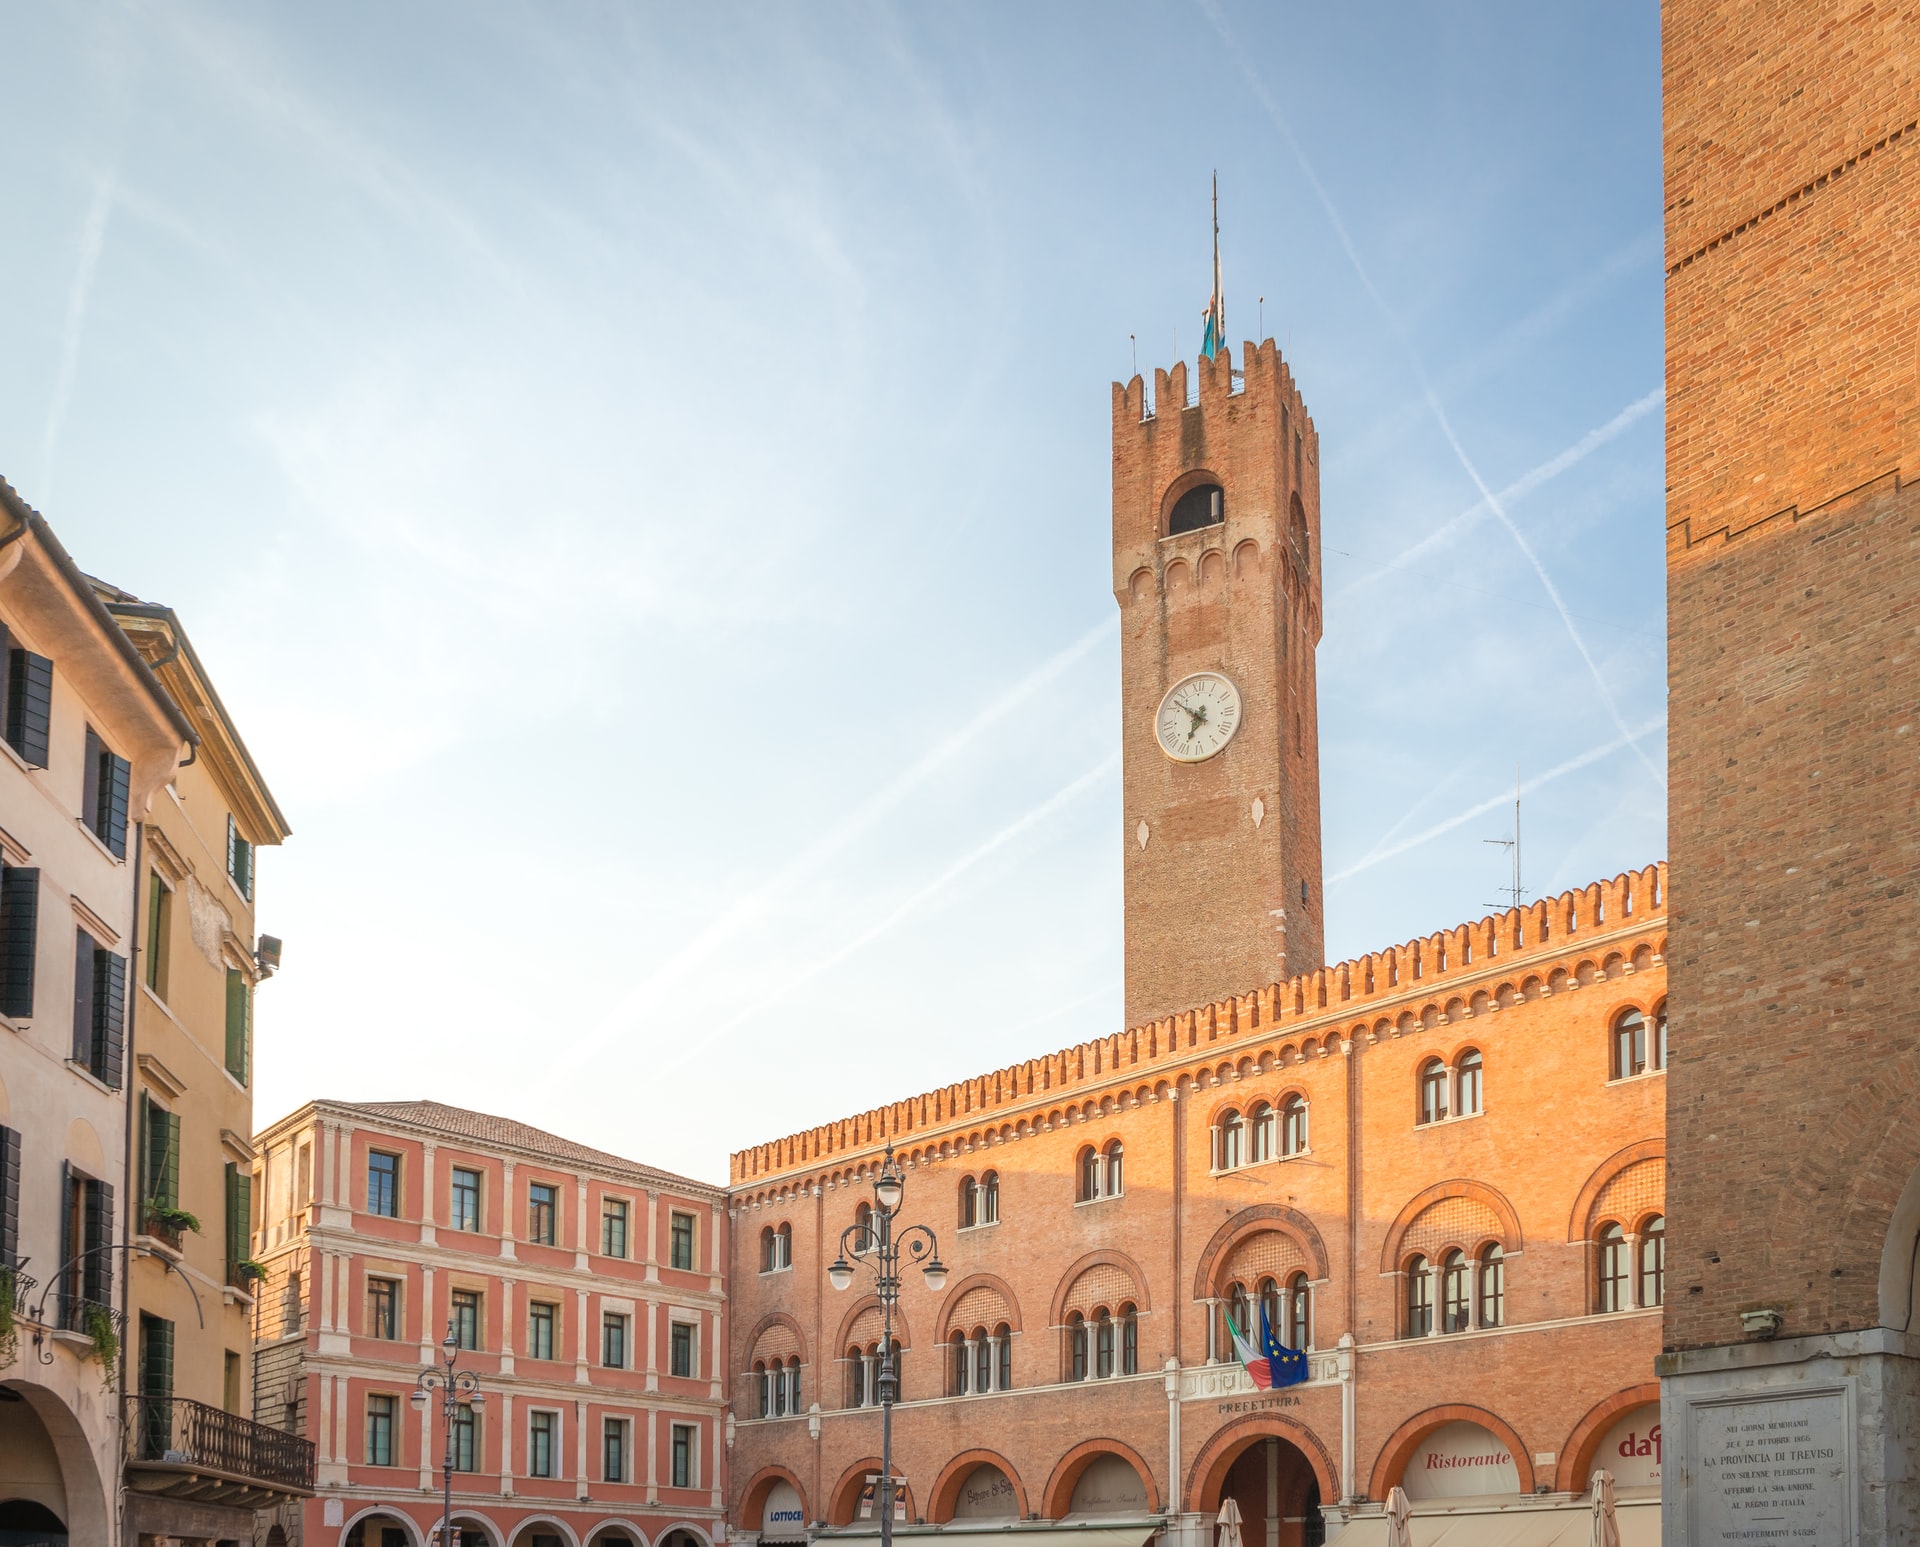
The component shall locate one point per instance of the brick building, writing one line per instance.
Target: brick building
(585, 1291)
(1793, 439)
(1438, 1167)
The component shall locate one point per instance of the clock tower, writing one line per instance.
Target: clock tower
(1216, 566)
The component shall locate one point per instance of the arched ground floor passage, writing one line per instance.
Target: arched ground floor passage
(51, 1487)
(522, 1523)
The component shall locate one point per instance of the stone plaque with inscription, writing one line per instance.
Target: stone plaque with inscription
(1769, 1470)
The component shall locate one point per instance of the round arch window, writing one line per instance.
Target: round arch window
(1203, 505)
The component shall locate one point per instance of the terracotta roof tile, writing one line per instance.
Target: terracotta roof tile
(506, 1133)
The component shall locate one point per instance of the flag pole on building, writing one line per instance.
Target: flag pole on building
(1213, 332)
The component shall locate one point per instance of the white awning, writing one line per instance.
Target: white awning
(1561, 1524)
(973, 1533)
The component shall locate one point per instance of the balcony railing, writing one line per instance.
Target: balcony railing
(190, 1450)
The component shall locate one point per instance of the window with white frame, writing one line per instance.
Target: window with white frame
(543, 1443)
(681, 1349)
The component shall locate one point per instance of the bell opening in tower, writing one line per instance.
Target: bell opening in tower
(1203, 505)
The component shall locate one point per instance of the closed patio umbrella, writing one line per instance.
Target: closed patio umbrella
(1399, 1518)
(1229, 1523)
(1606, 1528)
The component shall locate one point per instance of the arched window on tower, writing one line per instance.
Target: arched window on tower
(1653, 1261)
(1129, 1339)
(1103, 1345)
(863, 1235)
(1269, 1308)
(1419, 1297)
(1228, 1140)
(961, 1365)
(1293, 1126)
(1613, 1269)
(1629, 1044)
(764, 1397)
(1076, 1347)
(1657, 1043)
(1203, 505)
(859, 1387)
(1467, 1081)
(1493, 1286)
(1299, 1329)
(969, 1203)
(1003, 1349)
(990, 1198)
(1259, 1133)
(1433, 1091)
(1089, 1173)
(1456, 1293)
(793, 1384)
(1116, 1168)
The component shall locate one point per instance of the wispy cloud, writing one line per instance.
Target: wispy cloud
(93, 236)
(757, 904)
(1038, 816)
(1450, 532)
(1379, 854)
(1492, 501)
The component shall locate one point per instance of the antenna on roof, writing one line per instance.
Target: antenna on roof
(1136, 355)
(1515, 895)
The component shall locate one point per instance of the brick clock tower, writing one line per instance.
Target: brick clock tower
(1216, 546)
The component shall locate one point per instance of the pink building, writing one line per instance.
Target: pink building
(583, 1290)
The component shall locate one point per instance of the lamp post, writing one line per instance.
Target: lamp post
(453, 1384)
(876, 1242)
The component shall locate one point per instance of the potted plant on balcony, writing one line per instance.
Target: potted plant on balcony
(247, 1274)
(169, 1221)
(97, 1323)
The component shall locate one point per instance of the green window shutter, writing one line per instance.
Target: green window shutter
(147, 1168)
(239, 1012)
(239, 1217)
(29, 704)
(156, 1357)
(19, 914)
(173, 1160)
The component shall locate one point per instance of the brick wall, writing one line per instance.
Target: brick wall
(1535, 993)
(1793, 180)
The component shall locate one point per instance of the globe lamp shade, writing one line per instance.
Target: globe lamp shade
(936, 1272)
(840, 1275)
(888, 1191)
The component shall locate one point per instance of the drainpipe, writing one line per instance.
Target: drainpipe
(130, 1170)
(1348, 1339)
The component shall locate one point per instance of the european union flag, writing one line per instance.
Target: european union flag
(1288, 1366)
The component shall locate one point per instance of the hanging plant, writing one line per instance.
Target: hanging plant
(251, 1271)
(171, 1218)
(98, 1325)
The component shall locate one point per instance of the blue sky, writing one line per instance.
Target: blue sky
(637, 474)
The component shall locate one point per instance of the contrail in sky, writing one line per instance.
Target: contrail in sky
(755, 905)
(1050, 807)
(1520, 488)
(1212, 12)
(93, 234)
(1591, 755)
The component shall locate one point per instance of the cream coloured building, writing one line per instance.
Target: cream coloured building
(196, 1464)
(87, 739)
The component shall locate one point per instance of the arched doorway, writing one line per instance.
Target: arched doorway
(24, 1521)
(1276, 1487)
(379, 1531)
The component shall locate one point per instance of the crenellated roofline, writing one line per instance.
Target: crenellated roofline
(1555, 931)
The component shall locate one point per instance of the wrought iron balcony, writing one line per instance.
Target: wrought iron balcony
(188, 1450)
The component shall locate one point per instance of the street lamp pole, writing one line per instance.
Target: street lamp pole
(453, 1384)
(876, 1243)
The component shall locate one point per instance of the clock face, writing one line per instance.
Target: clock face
(1197, 717)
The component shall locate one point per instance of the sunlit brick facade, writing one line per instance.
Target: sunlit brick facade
(1439, 1167)
(584, 1290)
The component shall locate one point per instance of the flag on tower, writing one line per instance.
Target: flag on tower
(1213, 326)
(1272, 1365)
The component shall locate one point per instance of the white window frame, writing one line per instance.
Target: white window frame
(693, 1453)
(559, 1457)
(693, 1338)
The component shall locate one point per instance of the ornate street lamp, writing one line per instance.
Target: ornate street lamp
(876, 1244)
(454, 1385)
